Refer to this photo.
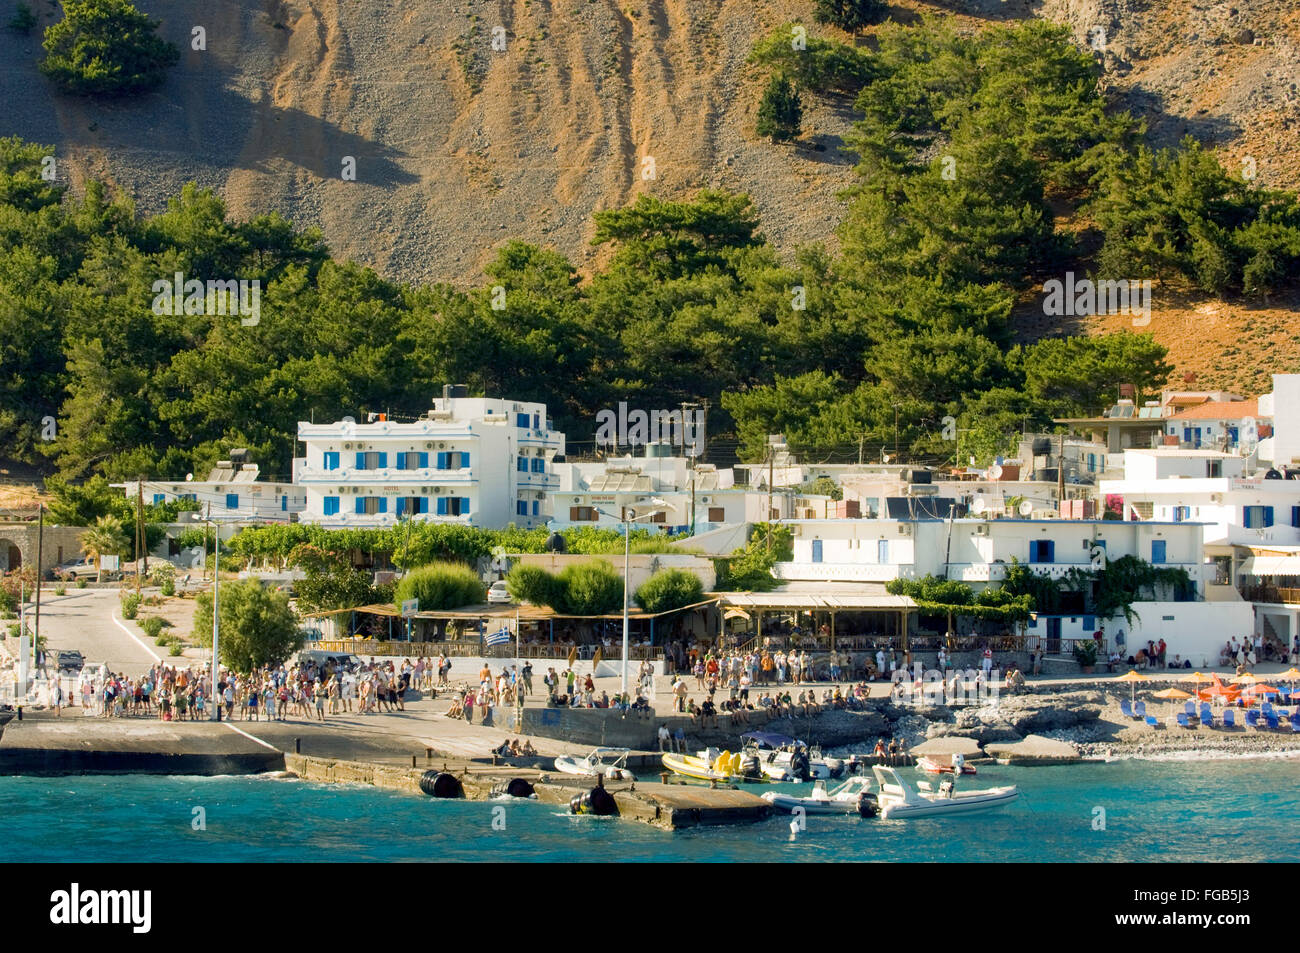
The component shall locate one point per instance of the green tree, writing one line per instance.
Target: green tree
(106, 47)
(441, 586)
(780, 111)
(23, 19)
(589, 588)
(850, 15)
(257, 626)
(105, 538)
(669, 589)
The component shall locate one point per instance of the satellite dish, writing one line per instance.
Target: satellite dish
(885, 458)
(995, 472)
(1026, 508)
(189, 477)
(979, 507)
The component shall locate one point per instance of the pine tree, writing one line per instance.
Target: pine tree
(850, 15)
(780, 111)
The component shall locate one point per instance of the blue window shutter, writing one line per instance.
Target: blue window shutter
(401, 505)
(520, 508)
(424, 504)
(361, 461)
(1051, 550)
(1033, 551)
(401, 461)
(284, 504)
(1295, 516)
(1158, 550)
(464, 458)
(159, 497)
(424, 461)
(442, 460)
(537, 508)
(1089, 623)
(383, 461)
(383, 504)
(360, 504)
(464, 505)
(331, 505)
(232, 501)
(442, 506)
(1268, 516)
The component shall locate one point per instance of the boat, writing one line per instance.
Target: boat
(714, 765)
(898, 799)
(849, 797)
(607, 763)
(782, 758)
(943, 764)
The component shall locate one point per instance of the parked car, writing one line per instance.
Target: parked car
(82, 569)
(497, 592)
(70, 660)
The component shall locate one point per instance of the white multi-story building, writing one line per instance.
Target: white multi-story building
(477, 461)
(1208, 486)
(231, 492)
(978, 552)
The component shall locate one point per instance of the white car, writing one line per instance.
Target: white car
(497, 592)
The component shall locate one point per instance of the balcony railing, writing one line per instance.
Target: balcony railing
(1276, 594)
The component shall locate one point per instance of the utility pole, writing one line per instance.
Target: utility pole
(141, 538)
(771, 465)
(40, 548)
(861, 437)
(895, 433)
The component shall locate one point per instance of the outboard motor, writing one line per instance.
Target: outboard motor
(440, 784)
(597, 801)
(799, 765)
(749, 765)
(868, 806)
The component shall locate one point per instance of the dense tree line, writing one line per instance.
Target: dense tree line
(968, 147)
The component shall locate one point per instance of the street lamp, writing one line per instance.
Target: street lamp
(629, 517)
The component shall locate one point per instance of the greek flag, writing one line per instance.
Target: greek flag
(500, 637)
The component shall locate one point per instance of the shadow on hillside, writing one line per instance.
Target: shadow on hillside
(1165, 128)
(999, 10)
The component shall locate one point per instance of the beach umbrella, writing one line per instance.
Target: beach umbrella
(1172, 694)
(1132, 676)
(1245, 679)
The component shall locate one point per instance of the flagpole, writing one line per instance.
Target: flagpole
(518, 666)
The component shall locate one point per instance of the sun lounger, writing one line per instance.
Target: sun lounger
(1252, 719)
(1295, 721)
(1140, 709)
(1207, 714)
(1272, 719)
(1228, 719)
(1126, 709)
(1190, 709)
(1153, 721)
(1184, 721)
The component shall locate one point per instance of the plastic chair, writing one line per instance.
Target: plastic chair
(1153, 721)
(1126, 709)
(1272, 719)
(1184, 721)
(1190, 708)
(1229, 718)
(1207, 714)
(1252, 719)
(1140, 709)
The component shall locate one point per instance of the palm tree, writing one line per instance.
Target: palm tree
(105, 538)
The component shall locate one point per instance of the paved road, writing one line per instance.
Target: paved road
(83, 619)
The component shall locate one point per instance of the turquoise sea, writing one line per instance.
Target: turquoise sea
(1236, 810)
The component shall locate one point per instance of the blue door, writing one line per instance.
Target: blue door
(817, 550)
(882, 551)
(1054, 635)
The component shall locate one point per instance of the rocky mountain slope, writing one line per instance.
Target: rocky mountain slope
(458, 145)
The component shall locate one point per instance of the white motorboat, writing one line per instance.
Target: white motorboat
(850, 797)
(782, 758)
(898, 799)
(608, 763)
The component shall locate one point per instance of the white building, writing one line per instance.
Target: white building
(1208, 486)
(231, 492)
(1280, 446)
(476, 461)
(592, 494)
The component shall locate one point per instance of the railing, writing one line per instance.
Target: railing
(472, 648)
(1276, 594)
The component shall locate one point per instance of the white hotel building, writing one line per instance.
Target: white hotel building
(476, 461)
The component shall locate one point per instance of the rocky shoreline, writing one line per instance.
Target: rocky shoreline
(1090, 721)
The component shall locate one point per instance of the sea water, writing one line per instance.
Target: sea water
(1242, 809)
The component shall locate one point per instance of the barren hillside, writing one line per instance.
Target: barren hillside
(458, 145)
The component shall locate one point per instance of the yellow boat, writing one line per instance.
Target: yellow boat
(712, 765)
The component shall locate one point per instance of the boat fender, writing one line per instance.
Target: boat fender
(441, 784)
(867, 805)
(515, 787)
(597, 801)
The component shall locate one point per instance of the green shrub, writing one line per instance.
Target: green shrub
(152, 626)
(850, 15)
(669, 589)
(176, 649)
(592, 588)
(821, 66)
(130, 605)
(13, 631)
(168, 587)
(23, 19)
(105, 47)
(531, 584)
(441, 586)
(81, 583)
(780, 111)
(60, 590)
